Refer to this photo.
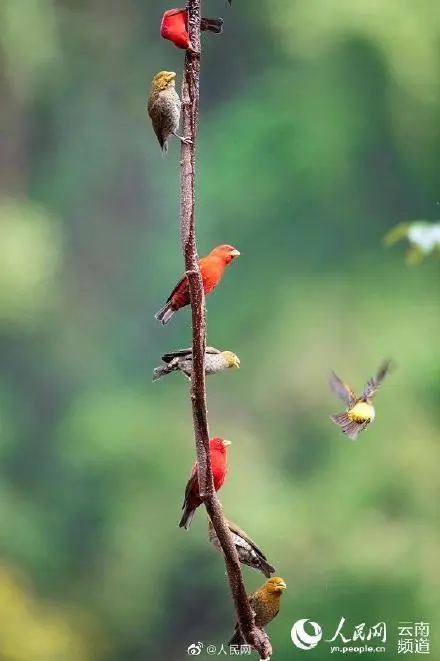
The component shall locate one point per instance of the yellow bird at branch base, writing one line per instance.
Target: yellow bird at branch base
(265, 604)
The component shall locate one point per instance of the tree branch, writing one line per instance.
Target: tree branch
(190, 116)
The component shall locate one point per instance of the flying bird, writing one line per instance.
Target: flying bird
(360, 411)
(215, 361)
(248, 552)
(163, 107)
(212, 268)
(219, 465)
(174, 27)
(265, 603)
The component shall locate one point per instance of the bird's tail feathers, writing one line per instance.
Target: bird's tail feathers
(266, 568)
(165, 313)
(212, 25)
(348, 427)
(187, 516)
(160, 371)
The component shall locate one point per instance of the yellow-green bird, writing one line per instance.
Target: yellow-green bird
(265, 603)
(164, 106)
(360, 411)
(181, 361)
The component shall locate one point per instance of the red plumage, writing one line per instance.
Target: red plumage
(174, 27)
(219, 466)
(212, 268)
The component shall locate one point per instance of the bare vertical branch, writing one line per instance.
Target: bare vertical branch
(190, 116)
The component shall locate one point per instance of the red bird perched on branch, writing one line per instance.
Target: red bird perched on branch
(219, 466)
(174, 27)
(211, 268)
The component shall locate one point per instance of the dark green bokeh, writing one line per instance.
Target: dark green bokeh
(318, 133)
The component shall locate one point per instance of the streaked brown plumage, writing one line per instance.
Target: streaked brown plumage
(265, 603)
(360, 411)
(215, 361)
(248, 552)
(164, 107)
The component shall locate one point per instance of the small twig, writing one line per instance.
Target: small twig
(190, 116)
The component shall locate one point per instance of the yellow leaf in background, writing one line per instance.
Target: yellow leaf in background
(31, 630)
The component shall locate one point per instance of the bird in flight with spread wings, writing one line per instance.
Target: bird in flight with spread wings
(360, 411)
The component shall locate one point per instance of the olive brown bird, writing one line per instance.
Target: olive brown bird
(181, 361)
(163, 107)
(212, 268)
(265, 603)
(248, 552)
(360, 411)
(219, 466)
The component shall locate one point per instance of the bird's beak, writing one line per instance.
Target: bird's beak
(282, 585)
(226, 443)
(237, 363)
(235, 253)
(172, 75)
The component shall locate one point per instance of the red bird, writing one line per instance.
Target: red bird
(219, 465)
(211, 268)
(174, 27)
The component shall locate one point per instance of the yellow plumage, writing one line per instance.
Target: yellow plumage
(361, 412)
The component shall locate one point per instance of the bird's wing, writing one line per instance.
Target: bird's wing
(373, 385)
(155, 111)
(183, 353)
(168, 357)
(342, 390)
(235, 529)
(182, 284)
(253, 599)
(191, 482)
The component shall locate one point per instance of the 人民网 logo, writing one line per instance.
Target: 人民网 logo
(301, 638)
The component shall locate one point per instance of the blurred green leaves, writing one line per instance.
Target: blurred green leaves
(29, 41)
(405, 33)
(315, 138)
(30, 251)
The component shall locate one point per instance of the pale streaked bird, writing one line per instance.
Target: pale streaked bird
(248, 552)
(163, 107)
(181, 361)
(360, 411)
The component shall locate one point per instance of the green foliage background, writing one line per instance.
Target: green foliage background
(319, 132)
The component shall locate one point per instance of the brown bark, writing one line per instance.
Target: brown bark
(190, 116)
